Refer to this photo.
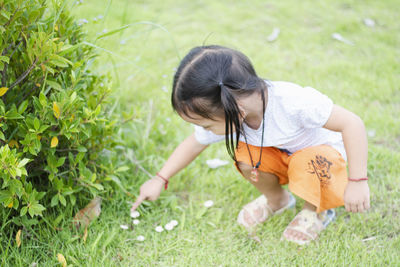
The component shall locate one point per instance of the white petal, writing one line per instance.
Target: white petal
(208, 203)
(123, 226)
(140, 238)
(135, 221)
(174, 222)
(215, 163)
(369, 22)
(159, 229)
(339, 37)
(135, 214)
(371, 133)
(274, 35)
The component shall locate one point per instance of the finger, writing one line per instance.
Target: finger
(347, 206)
(357, 207)
(360, 207)
(366, 204)
(138, 201)
(353, 208)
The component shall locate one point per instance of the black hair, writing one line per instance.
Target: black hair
(207, 83)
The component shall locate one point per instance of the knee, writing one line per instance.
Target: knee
(266, 177)
(244, 168)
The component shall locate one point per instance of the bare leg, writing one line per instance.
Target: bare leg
(309, 206)
(268, 185)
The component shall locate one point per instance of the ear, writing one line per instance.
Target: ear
(243, 112)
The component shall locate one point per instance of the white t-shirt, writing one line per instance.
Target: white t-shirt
(293, 120)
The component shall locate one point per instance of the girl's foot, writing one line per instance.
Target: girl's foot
(307, 225)
(260, 209)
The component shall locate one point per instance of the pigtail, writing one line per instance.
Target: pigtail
(232, 121)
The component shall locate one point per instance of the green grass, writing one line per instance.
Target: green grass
(364, 78)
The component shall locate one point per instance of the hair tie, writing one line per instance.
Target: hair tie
(220, 84)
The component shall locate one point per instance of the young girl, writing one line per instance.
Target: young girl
(277, 133)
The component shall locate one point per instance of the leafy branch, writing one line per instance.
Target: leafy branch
(23, 75)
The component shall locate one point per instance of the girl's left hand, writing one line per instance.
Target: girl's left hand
(356, 196)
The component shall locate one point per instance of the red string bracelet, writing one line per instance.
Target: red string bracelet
(359, 179)
(165, 180)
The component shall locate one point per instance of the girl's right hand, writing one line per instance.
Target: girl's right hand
(150, 190)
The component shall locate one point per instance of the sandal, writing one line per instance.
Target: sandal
(260, 204)
(310, 224)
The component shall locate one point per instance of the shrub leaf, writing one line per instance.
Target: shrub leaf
(3, 90)
(54, 141)
(18, 238)
(56, 110)
(61, 259)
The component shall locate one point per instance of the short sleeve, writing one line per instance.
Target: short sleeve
(313, 108)
(206, 137)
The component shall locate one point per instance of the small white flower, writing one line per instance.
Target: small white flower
(159, 229)
(122, 42)
(174, 222)
(135, 221)
(104, 31)
(140, 238)
(135, 214)
(168, 119)
(123, 226)
(164, 76)
(100, 17)
(169, 226)
(208, 203)
(164, 88)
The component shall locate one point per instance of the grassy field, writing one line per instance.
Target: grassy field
(142, 56)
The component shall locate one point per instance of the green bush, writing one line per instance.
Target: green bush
(52, 127)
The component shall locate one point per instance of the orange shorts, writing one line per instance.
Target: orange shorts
(316, 174)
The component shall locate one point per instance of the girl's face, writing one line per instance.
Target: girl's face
(217, 126)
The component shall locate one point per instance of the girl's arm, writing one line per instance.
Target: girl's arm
(185, 153)
(356, 195)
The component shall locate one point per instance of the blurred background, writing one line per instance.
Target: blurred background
(347, 49)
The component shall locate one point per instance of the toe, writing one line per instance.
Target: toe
(247, 218)
(291, 234)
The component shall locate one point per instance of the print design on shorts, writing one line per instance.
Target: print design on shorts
(321, 167)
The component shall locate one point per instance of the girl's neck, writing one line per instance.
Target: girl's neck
(253, 109)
